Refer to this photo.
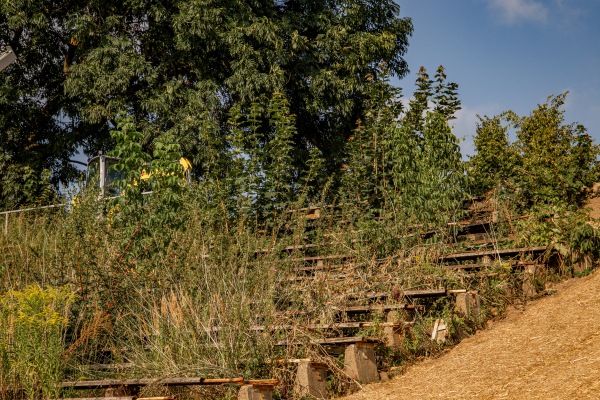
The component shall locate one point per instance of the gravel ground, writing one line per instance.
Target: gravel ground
(549, 350)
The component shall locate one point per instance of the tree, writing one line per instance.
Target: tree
(495, 160)
(409, 159)
(558, 159)
(178, 66)
(550, 162)
(39, 127)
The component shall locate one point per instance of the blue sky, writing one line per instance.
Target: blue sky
(509, 55)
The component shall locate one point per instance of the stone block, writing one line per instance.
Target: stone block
(311, 380)
(359, 362)
(528, 285)
(582, 263)
(384, 376)
(393, 336)
(468, 304)
(255, 392)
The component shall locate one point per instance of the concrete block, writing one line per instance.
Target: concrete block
(384, 376)
(359, 362)
(393, 336)
(495, 217)
(468, 304)
(311, 380)
(582, 263)
(255, 392)
(528, 285)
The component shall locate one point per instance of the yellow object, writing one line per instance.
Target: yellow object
(145, 176)
(185, 163)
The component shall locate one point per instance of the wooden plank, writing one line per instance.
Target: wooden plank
(261, 382)
(455, 291)
(289, 361)
(352, 325)
(468, 266)
(492, 253)
(106, 383)
(99, 398)
(322, 258)
(425, 293)
(513, 264)
(407, 293)
(337, 325)
(156, 398)
(347, 340)
(375, 307)
(301, 246)
(333, 341)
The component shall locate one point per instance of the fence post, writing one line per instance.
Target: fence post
(6, 224)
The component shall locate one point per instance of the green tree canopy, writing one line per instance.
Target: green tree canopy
(549, 162)
(179, 66)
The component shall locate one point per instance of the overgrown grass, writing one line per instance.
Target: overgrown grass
(217, 296)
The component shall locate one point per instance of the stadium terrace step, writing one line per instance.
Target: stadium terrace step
(440, 292)
(249, 388)
(108, 383)
(333, 341)
(492, 253)
(376, 308)
(321, 259)
(513, 264)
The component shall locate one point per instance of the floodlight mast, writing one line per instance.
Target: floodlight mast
(7, 57)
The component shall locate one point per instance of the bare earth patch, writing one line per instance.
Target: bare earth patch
(551, 350)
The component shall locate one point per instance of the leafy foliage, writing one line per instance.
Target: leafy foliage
(32, 327)
(179, 66)
(408, 163)
(549, 163)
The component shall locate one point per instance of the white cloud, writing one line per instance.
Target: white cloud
(512, 11)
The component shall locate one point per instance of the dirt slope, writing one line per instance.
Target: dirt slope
(551, 350)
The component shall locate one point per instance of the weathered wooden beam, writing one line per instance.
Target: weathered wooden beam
(440, 292)
(375, 307)
(468, 266)
(154, 398)
(492, 253)
(261, 382)
(335, 325)
(513, 264)
(322, 258)
(100, 398)
(333, 341)
(456, 291)
(107, 383)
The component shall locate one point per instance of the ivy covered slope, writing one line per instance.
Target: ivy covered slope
(178, 67)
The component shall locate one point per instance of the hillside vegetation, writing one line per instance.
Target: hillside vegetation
(178, 282)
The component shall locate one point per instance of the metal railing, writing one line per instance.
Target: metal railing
(7, 213)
